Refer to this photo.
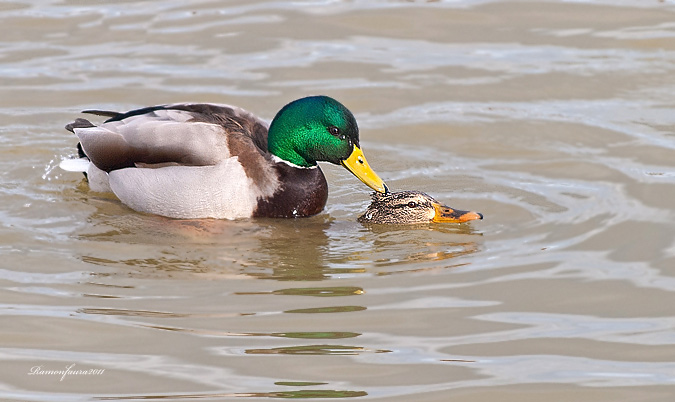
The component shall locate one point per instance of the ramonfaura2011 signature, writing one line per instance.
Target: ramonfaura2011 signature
(69, 370)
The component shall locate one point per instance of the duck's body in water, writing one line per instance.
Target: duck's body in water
(219, 161)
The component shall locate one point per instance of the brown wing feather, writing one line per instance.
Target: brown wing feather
(234, 120)
(183, 134)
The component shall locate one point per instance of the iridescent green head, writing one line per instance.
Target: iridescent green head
(319, 128)
(316, 128)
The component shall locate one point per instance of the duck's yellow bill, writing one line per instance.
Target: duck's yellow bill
(446, 214)
(357, 164)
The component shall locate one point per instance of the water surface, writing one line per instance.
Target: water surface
(554, 119)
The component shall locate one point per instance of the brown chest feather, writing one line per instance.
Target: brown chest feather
(303, 192)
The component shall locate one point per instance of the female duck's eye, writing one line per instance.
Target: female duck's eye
(412, 204)
(334, 130)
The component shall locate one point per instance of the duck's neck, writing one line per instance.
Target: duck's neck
(286, 148)
(277, 159)
(290, 156)
(287, 140)
(303, 192)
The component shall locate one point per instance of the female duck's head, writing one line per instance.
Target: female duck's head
(408, 207)
(319, 128)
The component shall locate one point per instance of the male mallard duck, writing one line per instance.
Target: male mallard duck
(407, 207)
(218, 161)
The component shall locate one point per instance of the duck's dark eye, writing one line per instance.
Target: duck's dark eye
(412, 204)
(334, 130)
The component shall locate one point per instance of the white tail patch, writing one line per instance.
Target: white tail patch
(75, 165)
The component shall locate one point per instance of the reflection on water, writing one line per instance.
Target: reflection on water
(269, 249)
(300, 394)
(315, 350)
(323, 310)
(320, 292)
(553, 118)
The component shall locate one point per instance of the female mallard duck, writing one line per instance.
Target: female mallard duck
(408, 207)
(220, 161)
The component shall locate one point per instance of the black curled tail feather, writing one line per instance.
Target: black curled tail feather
(80, 123)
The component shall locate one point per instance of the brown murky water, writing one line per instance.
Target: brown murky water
(555, 119)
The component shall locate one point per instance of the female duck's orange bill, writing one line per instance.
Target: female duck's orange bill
(446, 214)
